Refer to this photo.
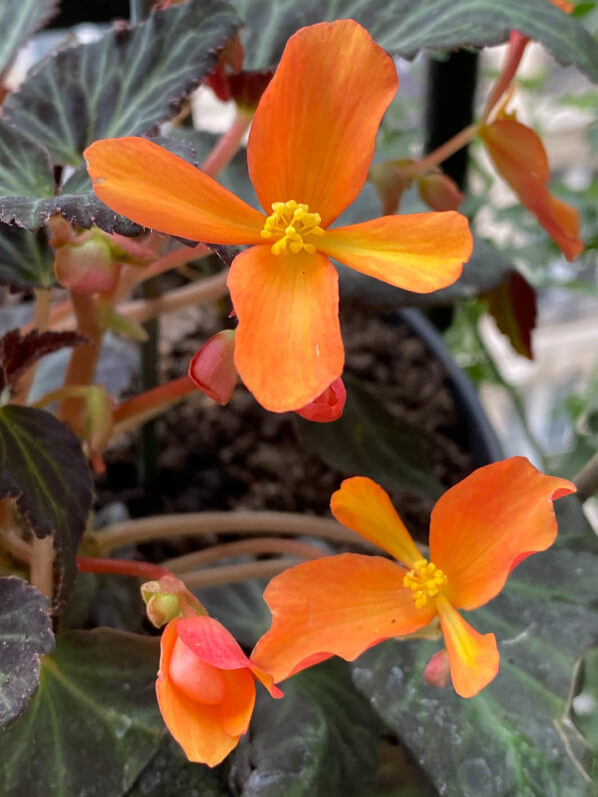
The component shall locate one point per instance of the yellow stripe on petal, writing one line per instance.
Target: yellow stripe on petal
(474, 659)
(155, 188)
(422, 252)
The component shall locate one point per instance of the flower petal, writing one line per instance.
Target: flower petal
(154, 187)
(314, 131)
(519, 156)
(422, 252)
(197, 727)
(488, 523)
(211, 642)
(363, 506)
(288, 346)
(473, 657)
(335, 606)
(239, 700)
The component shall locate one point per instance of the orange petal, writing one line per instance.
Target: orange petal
(197, 727)
(488, 523)
(335, 606)
(473, 657)
(422, 252)
(153, 187)
(363, 506)
(211, 642)
(314, 131)
(519, 156)
(239, 700)
(288, 346)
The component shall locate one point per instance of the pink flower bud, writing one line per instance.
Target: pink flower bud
(439, 192)
(86, 266)
(212, 368)
(438, 671)
(328, 406)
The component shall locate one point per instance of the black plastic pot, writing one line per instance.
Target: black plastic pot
(475, 432)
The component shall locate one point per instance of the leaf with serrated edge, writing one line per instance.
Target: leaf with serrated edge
(43, 467)
(512, 737)
(94, 723)
(403, 27)
(19, 19)
(25, 635)
(124, 84)
(19, 352)
(26, 259)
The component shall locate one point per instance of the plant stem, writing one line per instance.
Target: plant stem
(84, 358)
(42, 561)
(203, 290)
(120, 567)
(511, 390)
(148, 405)
(227, 145)
(231, 573)
(203, 523)
(15, 546)
(439, 155)
(586, 480)
(517, 45)
(41, 316)
(192, 561)
(178, 257)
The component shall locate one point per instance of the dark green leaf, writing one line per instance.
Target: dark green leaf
(19, 19)
(19, 352)
(25, 635)
(403, 27)
(26, 176)
(585, 704)
(370, 441)
(319, 739)
(26, 260)
(124, 84)
(240, 608)
(94, 723)
(170, 774)
(513, 738)
(42, 466)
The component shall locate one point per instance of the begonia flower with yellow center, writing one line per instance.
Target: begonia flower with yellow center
(309, 151)
(341, 605)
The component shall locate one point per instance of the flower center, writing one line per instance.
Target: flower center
(291, 223)
(425, 580)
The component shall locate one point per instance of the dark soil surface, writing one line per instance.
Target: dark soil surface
(242, 457)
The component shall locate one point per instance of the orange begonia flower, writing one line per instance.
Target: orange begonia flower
(310, 147)
(341, 605)
(206, 688)
(520, 158)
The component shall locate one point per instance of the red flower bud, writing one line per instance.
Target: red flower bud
(438, 671)
(328, 406)
(212, 368)
(87, 266)
(439, 192)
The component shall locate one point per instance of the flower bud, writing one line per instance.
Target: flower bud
(438, 191)
(168, 599)
(87, 266)
(438, 671)
(389, 184)
(212, 368)
(97, 423)
(328, 406)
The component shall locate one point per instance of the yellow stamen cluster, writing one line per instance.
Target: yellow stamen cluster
(425, 580)
(291, 222)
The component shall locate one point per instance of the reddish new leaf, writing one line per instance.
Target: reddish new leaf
(512, 304)
(18, 352)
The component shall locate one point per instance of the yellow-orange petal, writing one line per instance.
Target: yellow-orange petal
(239, 700)
(363, 506)
(197, 727)
(335, 606)
(155, 188)
(288, 347)
(314, 131)
(474, 659)
(520, 158)
(422, 252)
(486, 524)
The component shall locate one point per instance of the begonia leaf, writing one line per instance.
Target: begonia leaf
(26, 259)
(94, 723)
(43, 468)
(370, 441)
(403, 27)
(321, 738)
(19, 19)
(126, 83)
(584, 709)
(513, 306)
(18, 352)
(514, 737)
(25, 635)
(240, 608)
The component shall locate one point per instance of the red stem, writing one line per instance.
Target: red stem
(120, 567)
